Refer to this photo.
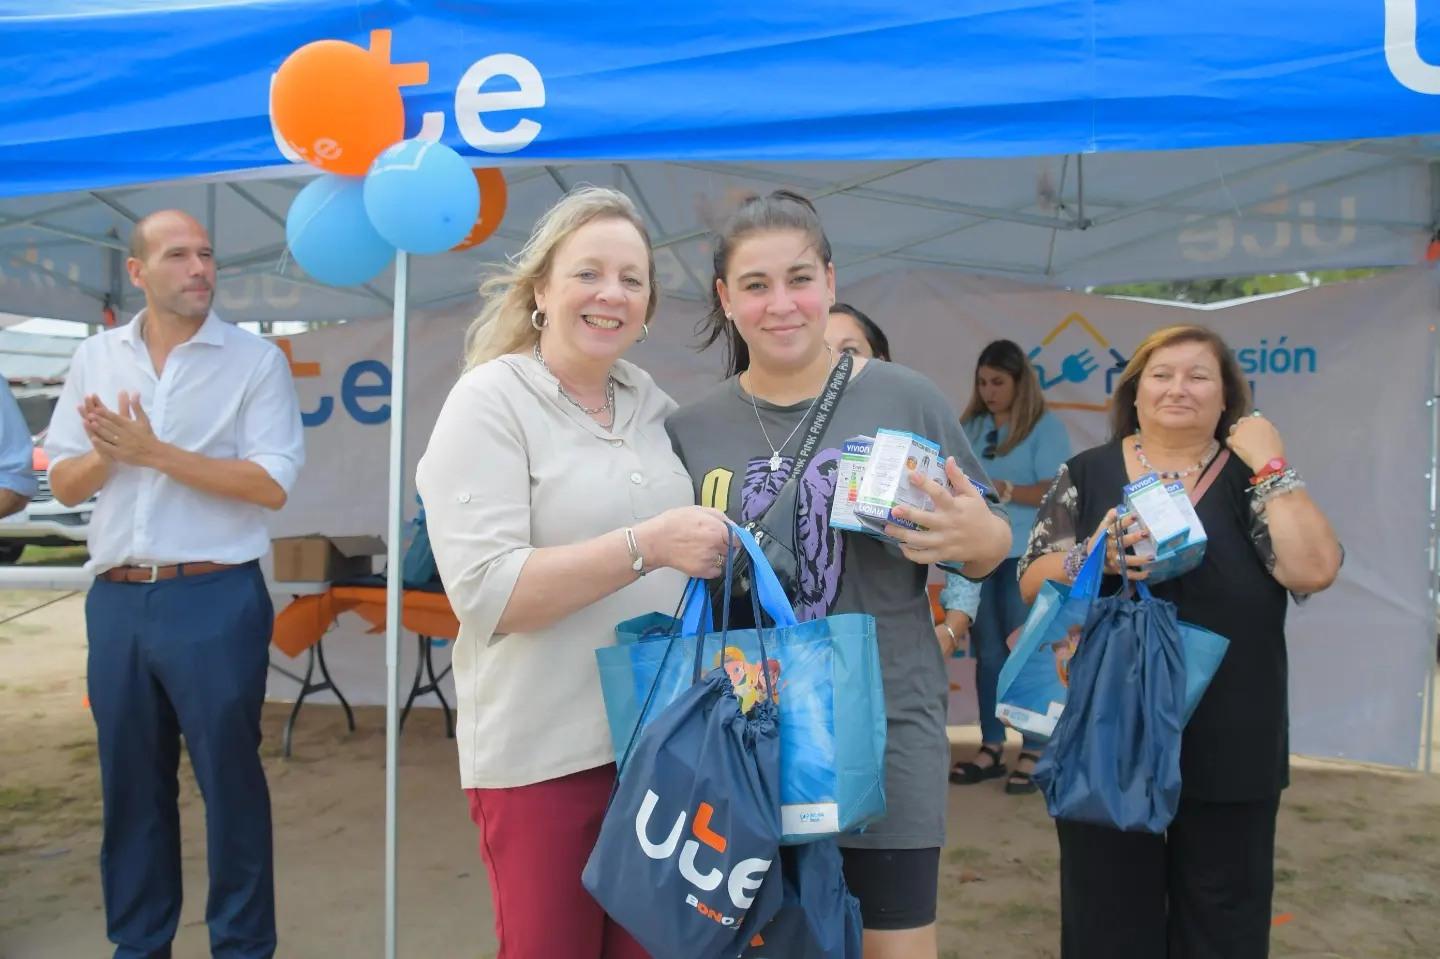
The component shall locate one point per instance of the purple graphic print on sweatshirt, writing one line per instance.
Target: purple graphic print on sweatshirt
(821, 549)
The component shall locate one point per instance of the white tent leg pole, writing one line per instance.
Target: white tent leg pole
(1430, 718)
(1428, 739)
(393, 590)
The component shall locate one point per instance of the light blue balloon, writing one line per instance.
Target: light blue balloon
(331, 237)
(422, 196)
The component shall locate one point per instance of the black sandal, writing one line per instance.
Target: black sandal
(1020, 782)
(967, 774)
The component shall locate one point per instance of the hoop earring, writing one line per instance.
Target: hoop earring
(538, 320)
(644, 332)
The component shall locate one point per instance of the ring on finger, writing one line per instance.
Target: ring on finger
(719, 560)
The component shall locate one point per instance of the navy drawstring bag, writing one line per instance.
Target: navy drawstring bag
(818, 919)
(687, 854)
(1114, 759)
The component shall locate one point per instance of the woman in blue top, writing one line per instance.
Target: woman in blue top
(1022, 445)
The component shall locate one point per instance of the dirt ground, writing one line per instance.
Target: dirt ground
(1358, 860)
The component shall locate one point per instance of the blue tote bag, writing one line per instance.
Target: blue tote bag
(826, 676)
(686, 848)
(1115, 757)
(1031, 691)
(1033, 686)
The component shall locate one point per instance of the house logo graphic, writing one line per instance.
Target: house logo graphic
(1077, 358)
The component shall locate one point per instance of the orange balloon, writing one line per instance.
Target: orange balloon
(493, 197)
(337, 105)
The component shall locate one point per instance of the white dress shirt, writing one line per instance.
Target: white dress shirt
(224, 393)
(512, 466)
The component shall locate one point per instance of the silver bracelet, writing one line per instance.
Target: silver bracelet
(1076, 559)
(946, 626)
(637, 561)
(1272, 486)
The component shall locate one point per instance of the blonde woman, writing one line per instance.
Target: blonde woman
(556, 510)
(1022, 445)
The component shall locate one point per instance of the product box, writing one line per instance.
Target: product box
(1163, 520)
(315, 558)
(886, 482)
(1181, 559)
(850, 476)
(849, 472)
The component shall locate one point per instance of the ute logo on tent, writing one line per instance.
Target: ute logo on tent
(337, 106)
(472, 101)
(1402, 35)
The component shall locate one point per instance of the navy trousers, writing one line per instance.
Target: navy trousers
(186, 656)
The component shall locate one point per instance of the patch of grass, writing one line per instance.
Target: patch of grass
(1045, 864)
(971, 855)
(1018, 913)
(967, 923)
(1284, 875)
(54, 556)
(87, 755)
(29, 798)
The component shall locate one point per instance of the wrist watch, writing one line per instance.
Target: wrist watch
(1271, 467)
(637, 562)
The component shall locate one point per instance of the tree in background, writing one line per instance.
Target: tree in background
(1218, 289)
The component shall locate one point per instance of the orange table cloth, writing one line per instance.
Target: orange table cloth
(301, 624)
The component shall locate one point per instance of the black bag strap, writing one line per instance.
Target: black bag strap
(819, 419)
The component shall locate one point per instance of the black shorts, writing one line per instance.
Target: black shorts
(897, 888)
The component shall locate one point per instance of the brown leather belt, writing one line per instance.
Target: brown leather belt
(154, 574)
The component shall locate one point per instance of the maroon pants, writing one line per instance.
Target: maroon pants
(535, 840)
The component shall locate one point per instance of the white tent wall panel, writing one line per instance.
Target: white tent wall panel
(1358, 427)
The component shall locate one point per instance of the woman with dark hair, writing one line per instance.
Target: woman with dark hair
(773, 290)
(1203, 889)
(851, 331)
(1022, 445)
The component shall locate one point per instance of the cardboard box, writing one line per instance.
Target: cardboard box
(886, 480)
(1161, 517)
(322, 559)
(848, 476)
(1177, 560)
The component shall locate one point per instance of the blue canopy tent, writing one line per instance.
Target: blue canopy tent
(1069, 142)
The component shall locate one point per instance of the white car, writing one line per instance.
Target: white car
(45, 521)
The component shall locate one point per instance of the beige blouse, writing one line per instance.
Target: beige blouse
(511, 466)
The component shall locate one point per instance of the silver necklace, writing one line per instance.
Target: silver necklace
(609, 404)
(775, 450)
(1210, 452)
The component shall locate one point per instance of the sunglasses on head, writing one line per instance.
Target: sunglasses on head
(992, 439)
